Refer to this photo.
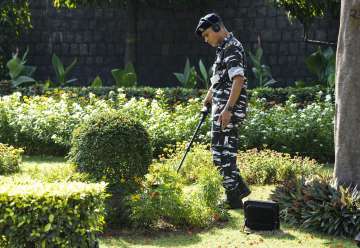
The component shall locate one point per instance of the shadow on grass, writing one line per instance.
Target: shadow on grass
(236, 222)
(128, 238)
(43, 159)
(222, 232)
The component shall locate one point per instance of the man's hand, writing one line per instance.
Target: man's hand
(225, 118)
(206, 102)
(208, 99)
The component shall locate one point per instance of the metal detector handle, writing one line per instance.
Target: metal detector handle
(205, 111)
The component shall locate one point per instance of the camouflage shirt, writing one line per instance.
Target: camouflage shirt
(230, 62)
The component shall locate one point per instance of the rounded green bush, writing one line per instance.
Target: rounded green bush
(112, 147)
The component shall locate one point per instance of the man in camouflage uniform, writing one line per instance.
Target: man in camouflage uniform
(228, 98)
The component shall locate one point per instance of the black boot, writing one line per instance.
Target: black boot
(243, 189)
(233, 201)
(234, 197)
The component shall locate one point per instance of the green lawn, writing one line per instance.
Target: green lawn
(223, 235)
(227, 235)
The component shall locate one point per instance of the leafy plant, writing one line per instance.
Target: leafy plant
(188, 77)
(125, 77)
(15, 20)
(306, 11)
(61, 72)
(322, 64)
(10, 159)
(205, 74)
(257, 166)
(317, 205)
(97, 83)
(167, 196)
(19, 72)
(288, 128)
(43, 124)
(269, 167)
(261, 72)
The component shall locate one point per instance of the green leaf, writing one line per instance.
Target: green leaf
(58, 68)
(187, 71)
(70, 67)
(259, 54)
(180, 77)
(97, 83)
(28, 70)
(130, 68)
(329, 53)
(21, 80)
(15, 67)
(71, 81)
(129, 79)
(51, 218)
(47, 227)
(25, 55)
(270, 82)
(118, 76)
(204, 73)
(316, 63)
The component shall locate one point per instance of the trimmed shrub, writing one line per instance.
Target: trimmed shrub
(111, 146)
(268, 167)
(316, 205)
(10, 159)
(173, 95)
(176, 95)
(50, 173)
(50, 215)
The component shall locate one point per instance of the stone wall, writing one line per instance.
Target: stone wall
(96, 36)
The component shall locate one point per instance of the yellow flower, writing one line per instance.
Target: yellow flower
(137, 179)
(135, 197)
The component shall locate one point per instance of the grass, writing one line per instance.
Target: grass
(227, 234)
(47, 168)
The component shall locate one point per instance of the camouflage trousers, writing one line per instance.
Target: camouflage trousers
(224, 145)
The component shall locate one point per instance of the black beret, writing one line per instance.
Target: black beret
(206, 22)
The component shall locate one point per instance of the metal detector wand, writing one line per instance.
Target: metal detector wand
(205, 111)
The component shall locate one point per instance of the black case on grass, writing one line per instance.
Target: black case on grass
(261, 215)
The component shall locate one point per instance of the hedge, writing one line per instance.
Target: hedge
(51, 214)
(273, 95)
(44, 125)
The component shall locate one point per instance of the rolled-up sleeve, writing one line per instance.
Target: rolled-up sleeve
(234, 61)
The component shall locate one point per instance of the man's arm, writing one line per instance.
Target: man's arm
(208, 98)
(238, 82)
(225, 116)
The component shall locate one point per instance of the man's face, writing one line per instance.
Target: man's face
(210, 37)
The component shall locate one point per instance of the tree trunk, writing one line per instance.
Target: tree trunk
(131, 32)
(347, 94)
